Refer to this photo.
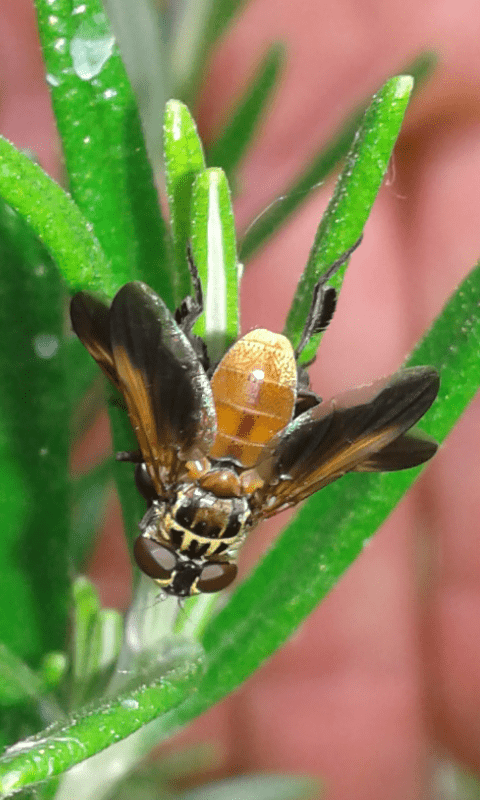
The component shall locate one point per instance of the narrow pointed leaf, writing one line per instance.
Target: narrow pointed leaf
(353, 198)
(142, 31)
(242, 124)
(89, 503)
(52, 669)
(215, 256)
(34, 439)
(199, 25)
(55, 219)
(184, 160)
(18, 682)
(87, 733)
(109, 174)
(321, 166)
(96, 645)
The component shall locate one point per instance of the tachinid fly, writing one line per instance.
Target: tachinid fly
(222, 448)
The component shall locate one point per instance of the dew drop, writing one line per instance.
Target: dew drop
(61, 45)
(91, 47)
(367, 542)
(45, 345)
(52, 80)
(130, 703)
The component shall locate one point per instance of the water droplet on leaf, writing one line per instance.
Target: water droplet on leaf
(45, 345)
(91, 47)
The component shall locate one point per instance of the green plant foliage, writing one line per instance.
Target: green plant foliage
(353, 198)
(197, 29)
(53, 216)
(109, 175)
(88, 508)
(88, 733)
(34, 446)
(233, 141)
(322, 165)
(184, 160)
(17, 681)
(215, 255)
(97, 637)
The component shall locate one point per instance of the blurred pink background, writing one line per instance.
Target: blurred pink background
(387, 671)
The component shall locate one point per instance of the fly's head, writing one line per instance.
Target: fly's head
(187, 544)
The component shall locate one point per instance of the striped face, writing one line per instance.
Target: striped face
(187, 544)
(220, 450)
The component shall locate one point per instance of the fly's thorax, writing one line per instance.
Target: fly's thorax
(200, 524)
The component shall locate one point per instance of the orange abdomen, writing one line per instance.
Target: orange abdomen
(254, 389)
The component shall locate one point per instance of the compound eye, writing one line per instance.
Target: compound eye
(154, 559)
(216, 576)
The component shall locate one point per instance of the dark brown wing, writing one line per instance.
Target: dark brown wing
(409, 450)
(361, 430)
(148, 357)
(91, 322)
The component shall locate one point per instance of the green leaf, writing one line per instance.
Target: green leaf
(184, 160)
(96, 643)
(18, 682)
(353, 198)
(34, 439)
(198, 611)
(90, 497)
(46, 791)
(198, 27)
(154, 779)
(230, 146)
(215, 255)
(53, 216)
(92, 730)
(421, 69)
(86, 608)
(451, 346)
(109, 174)
(320, 167)
(52, 669)
(141, 21)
